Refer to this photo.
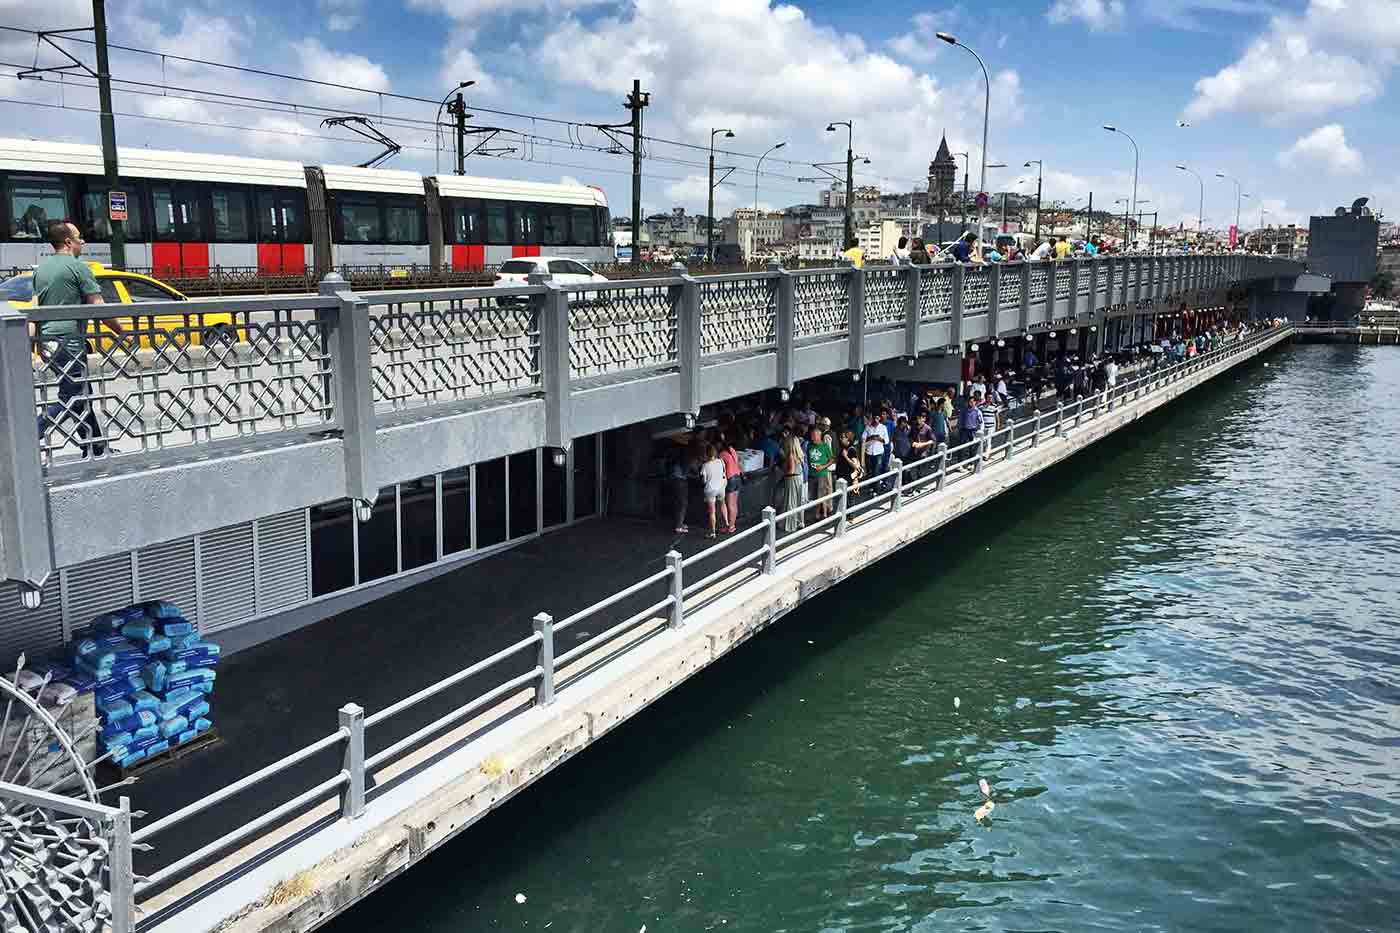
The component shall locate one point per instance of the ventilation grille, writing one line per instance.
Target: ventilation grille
(33, 632)
(284, 579)
(166, 571)
(226, 563)
(98, 586)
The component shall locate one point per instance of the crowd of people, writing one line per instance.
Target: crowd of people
(968, 249)
(808, 444)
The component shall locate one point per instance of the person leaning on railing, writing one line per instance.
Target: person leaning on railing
(64, 279)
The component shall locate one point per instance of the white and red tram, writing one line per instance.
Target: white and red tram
(190, 212)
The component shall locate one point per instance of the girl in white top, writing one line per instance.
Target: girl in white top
(712, 475)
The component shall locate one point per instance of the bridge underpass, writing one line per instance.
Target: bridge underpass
(229, 457)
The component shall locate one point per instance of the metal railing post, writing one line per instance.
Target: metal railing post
(353, 385)
(352, 798)
(555, 376)
(1010, 437)
(1072, 309)
(942, 467)
(544, 626)
(121, 872)
(1025, 296)
(26, 545)
(993, 301)
(1060, 420)
(843, 494)
(898, 501)
(955, 325)
(855, 285)
(685, 298)
(674, 562)
(911, 310)
(1035, 434)
(981, 452)
(770, 540)
(784, 324)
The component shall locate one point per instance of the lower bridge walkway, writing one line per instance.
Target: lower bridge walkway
(303, 810)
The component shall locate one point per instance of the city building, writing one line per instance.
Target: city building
(816, 248)
(754, 229)
(878, 239)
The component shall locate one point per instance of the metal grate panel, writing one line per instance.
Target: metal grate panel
(97, 586)
(166, 571)
(34, 632)
(226, 565)
(284, 579)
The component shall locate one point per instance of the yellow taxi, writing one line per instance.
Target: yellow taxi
(132, 288)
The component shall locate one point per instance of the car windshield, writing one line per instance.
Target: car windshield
(17, 288)
(517, 267)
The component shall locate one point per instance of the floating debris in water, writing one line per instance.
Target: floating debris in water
(956, 703)
(984, 787)
(984, 811)
(1000, 660)
(520, 898)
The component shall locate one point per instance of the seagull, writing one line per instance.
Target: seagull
(1182, 123)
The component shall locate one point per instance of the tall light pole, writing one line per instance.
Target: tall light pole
(1201, 212)
(850, 175)
(757, 169)
(1113, 129)
(710, 211)
(1039, 186)
(1239, 196)
(986, 110)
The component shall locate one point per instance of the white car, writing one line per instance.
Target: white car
(516, 272)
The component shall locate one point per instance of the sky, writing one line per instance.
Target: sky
(1295, 98)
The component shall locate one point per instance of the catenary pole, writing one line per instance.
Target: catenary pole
(109, 129)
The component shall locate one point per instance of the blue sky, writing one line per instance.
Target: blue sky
(1294, 97)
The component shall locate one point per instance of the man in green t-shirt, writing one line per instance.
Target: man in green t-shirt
(64, 279)
(820, 465)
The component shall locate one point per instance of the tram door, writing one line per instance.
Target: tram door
(281, 232)
(180, 244)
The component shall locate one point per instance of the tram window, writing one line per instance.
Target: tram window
(554, 224)
(466, 222)
(163, 213)
(231, 216)
(604, 226)
(403, 222)
(269, 221)
(96, 228)
(526, 229)
(497, 227)
(34, 200)
(583, 233)
(293, 208)
(359, 220)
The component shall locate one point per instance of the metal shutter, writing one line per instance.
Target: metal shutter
(97, 586)
(33, 632)
(166, 571)
(284, 579)
(226, 566)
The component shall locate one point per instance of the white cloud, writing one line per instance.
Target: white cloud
(473, 10)
(1337, 54)
(1325, 146)
(766, 71)
(921, 43)
(693, 190)
(1096, 14)
(342, 15)
(1202, 15)
(315, 61)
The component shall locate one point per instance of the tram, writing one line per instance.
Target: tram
(190, 212)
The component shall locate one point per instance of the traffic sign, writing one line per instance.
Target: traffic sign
(982, 200)
(116, 205)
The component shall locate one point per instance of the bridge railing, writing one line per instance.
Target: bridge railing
(530, 672)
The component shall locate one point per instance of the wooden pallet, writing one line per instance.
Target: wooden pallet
(207, 739)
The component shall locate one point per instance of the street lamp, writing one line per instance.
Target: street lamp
(986, 106)
(1113, 129)
(710, 216)
(461, 85)
(1239, 196)
(757, 169)
(1200, 213)
(1039, 185)
(850, 175)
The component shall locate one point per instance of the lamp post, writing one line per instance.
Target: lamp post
(1200, 213)
(1113, 129)
(1239, 196)
(458, 109)
(1039, 186)
(757, 169)
(710, 211)
(986, 106)
(850, 176)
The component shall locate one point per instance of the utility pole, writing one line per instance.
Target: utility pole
(636, 101)
(458, 109)
(1089, 219)
(109, 129)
